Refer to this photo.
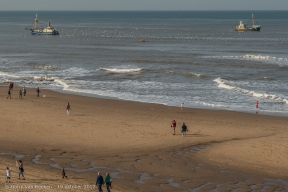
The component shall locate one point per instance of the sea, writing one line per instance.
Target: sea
(191, 57)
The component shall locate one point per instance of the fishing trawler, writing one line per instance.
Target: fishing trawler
(244, 27)
(43, 31)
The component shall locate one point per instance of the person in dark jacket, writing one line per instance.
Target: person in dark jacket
(63, 173)
(38, 91)
(99, 182)
(108, 182)
(24, 90)
(184, 130)
(20, 93)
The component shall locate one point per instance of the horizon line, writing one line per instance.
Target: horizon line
(146, 10)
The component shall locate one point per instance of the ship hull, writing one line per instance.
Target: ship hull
(44, 33)
(249, 29)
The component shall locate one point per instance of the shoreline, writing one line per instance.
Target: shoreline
(278, 114)
(134, 142)
(90, 95)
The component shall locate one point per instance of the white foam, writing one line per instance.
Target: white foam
(278, 60)
(210, 104)
(62, 83)
(222, 83)
(119, 70)
(74, 72)
(260, 57)
(197, 74)
(5, 74)
(6, 62)
(44, 78)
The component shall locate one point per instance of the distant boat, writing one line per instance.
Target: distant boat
(43, 31)
(244, 27)
(142, 41)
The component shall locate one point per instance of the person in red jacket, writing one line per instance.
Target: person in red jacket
(257, 105)
(173, 124)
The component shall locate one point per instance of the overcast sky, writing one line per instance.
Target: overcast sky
(144, 4)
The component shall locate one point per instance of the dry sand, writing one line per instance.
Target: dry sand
(133, 141)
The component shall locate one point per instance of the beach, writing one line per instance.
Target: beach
(133, 141)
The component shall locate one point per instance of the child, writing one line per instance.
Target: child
(8, 171)
(63, 173)
(9, 94)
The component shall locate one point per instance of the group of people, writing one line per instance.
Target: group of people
(184, 128)
(21, 91)
(19, 165)
(100, 181)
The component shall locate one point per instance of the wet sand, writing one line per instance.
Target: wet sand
(223, 150)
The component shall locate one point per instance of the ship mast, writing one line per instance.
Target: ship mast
(35, 23)
(252, 19)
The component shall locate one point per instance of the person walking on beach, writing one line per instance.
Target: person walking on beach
(173, 124)
(108, 182)
(184, 130)
(99, 182)
(38, 91)
(19, 164)
(24, 90)
(8, 173)
(182, 106)
(20, 94)
(11, 86)
(9, 94)
(257, 105)
(68, 108)
(63, 173)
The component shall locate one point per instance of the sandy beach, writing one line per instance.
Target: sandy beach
(223, 150)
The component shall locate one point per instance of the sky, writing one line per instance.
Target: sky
(144, 4)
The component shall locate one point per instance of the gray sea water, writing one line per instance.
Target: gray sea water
(195, 57)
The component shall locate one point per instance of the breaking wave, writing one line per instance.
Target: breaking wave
(250, 57)
(44, 78)
(223, 83)
(3, 74)
(61, 82)
(161, 61)
(259, 57)
(118, 70)
(191, 74)
(263, 58)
